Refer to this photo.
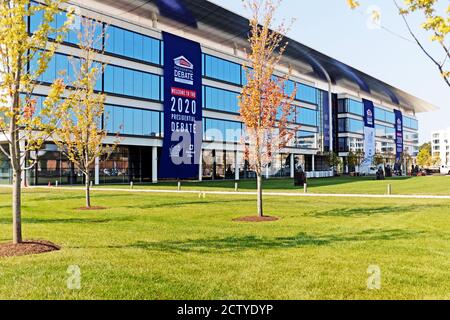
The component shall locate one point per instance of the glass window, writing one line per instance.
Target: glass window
(222, 100)
(355, 126)
(133, 45)
(138, 46)
(306, 93)
(410, 123)
(355, 107)
(384, 115)
(306, 117)
(306, 140)
(130, 82)
(131, 121)
(222, 130)
(350, 125)
(351, 106)
(118, 80)
(221, 69)
(59, 20)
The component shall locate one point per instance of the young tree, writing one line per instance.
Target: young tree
(80, 135)
(424, 158)
(355, 159)
(378, 159)
(264, 106)
(23, 126)
(333, 160)
(437, 22)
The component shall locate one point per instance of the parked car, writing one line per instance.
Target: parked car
(445, 169)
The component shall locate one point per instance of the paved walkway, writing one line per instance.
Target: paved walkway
(245, 193)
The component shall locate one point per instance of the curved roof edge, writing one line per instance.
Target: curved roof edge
(205, 16)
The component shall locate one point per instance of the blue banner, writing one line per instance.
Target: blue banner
(183, 132)
(326, 120)
(398, 135)
(369, 136)
(369, 114)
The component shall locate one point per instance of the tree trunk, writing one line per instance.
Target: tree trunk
(259, 196)
(88, 190)
(16, 206)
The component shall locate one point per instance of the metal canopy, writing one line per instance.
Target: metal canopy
(209, 20)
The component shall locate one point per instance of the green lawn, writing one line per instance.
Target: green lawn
(151, 246)
(431, 185)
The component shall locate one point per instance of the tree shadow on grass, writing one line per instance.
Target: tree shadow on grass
(233, 244)
(363, 212)
(184, 203)
(68, 220)
(61, 197)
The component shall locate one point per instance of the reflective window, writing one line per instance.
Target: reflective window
(351, 106)
(410, 123)
(72, 34)
(132, 83)
(130, 121)
(221, 69)
(384, 131)
(306, 140)
(384, 115)
(62, 66)
(350, 125)
(306, 93)
(222, 130)
(133, 45)
(306, 117)
(222, 100)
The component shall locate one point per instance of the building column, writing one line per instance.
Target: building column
(200, 167)
(313, 159)
(97, 171)
(292, 165)
(154, 164)
(236, 165)
(267, 172)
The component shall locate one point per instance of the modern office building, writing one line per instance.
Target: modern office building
(338, 107)
(440, 145)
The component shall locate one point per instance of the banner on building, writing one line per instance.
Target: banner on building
(398, 135)
(369, 135)
(326, 121)
(183, 132)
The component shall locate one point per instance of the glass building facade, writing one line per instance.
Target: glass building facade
(133, 84)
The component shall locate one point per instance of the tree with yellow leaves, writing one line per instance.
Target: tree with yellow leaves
(264, 106)
(437, 22)
(81, 135)
(23, 126)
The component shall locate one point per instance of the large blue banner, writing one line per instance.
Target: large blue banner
(326, 120)
(369, 135)
(369, 114)
(183, 132)
(398, 135)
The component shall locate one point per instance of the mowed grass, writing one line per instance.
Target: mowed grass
(160, 246)
(431, 185)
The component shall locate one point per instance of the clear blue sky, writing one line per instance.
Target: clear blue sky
(332, 28)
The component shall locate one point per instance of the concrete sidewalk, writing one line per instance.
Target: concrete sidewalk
(244, 193)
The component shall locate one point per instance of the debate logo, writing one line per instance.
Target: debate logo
(182, 62)
(183, 70)
(369, 117)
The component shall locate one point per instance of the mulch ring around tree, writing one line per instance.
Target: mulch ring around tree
(90, 209)
(27, 248)
(256, 219)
